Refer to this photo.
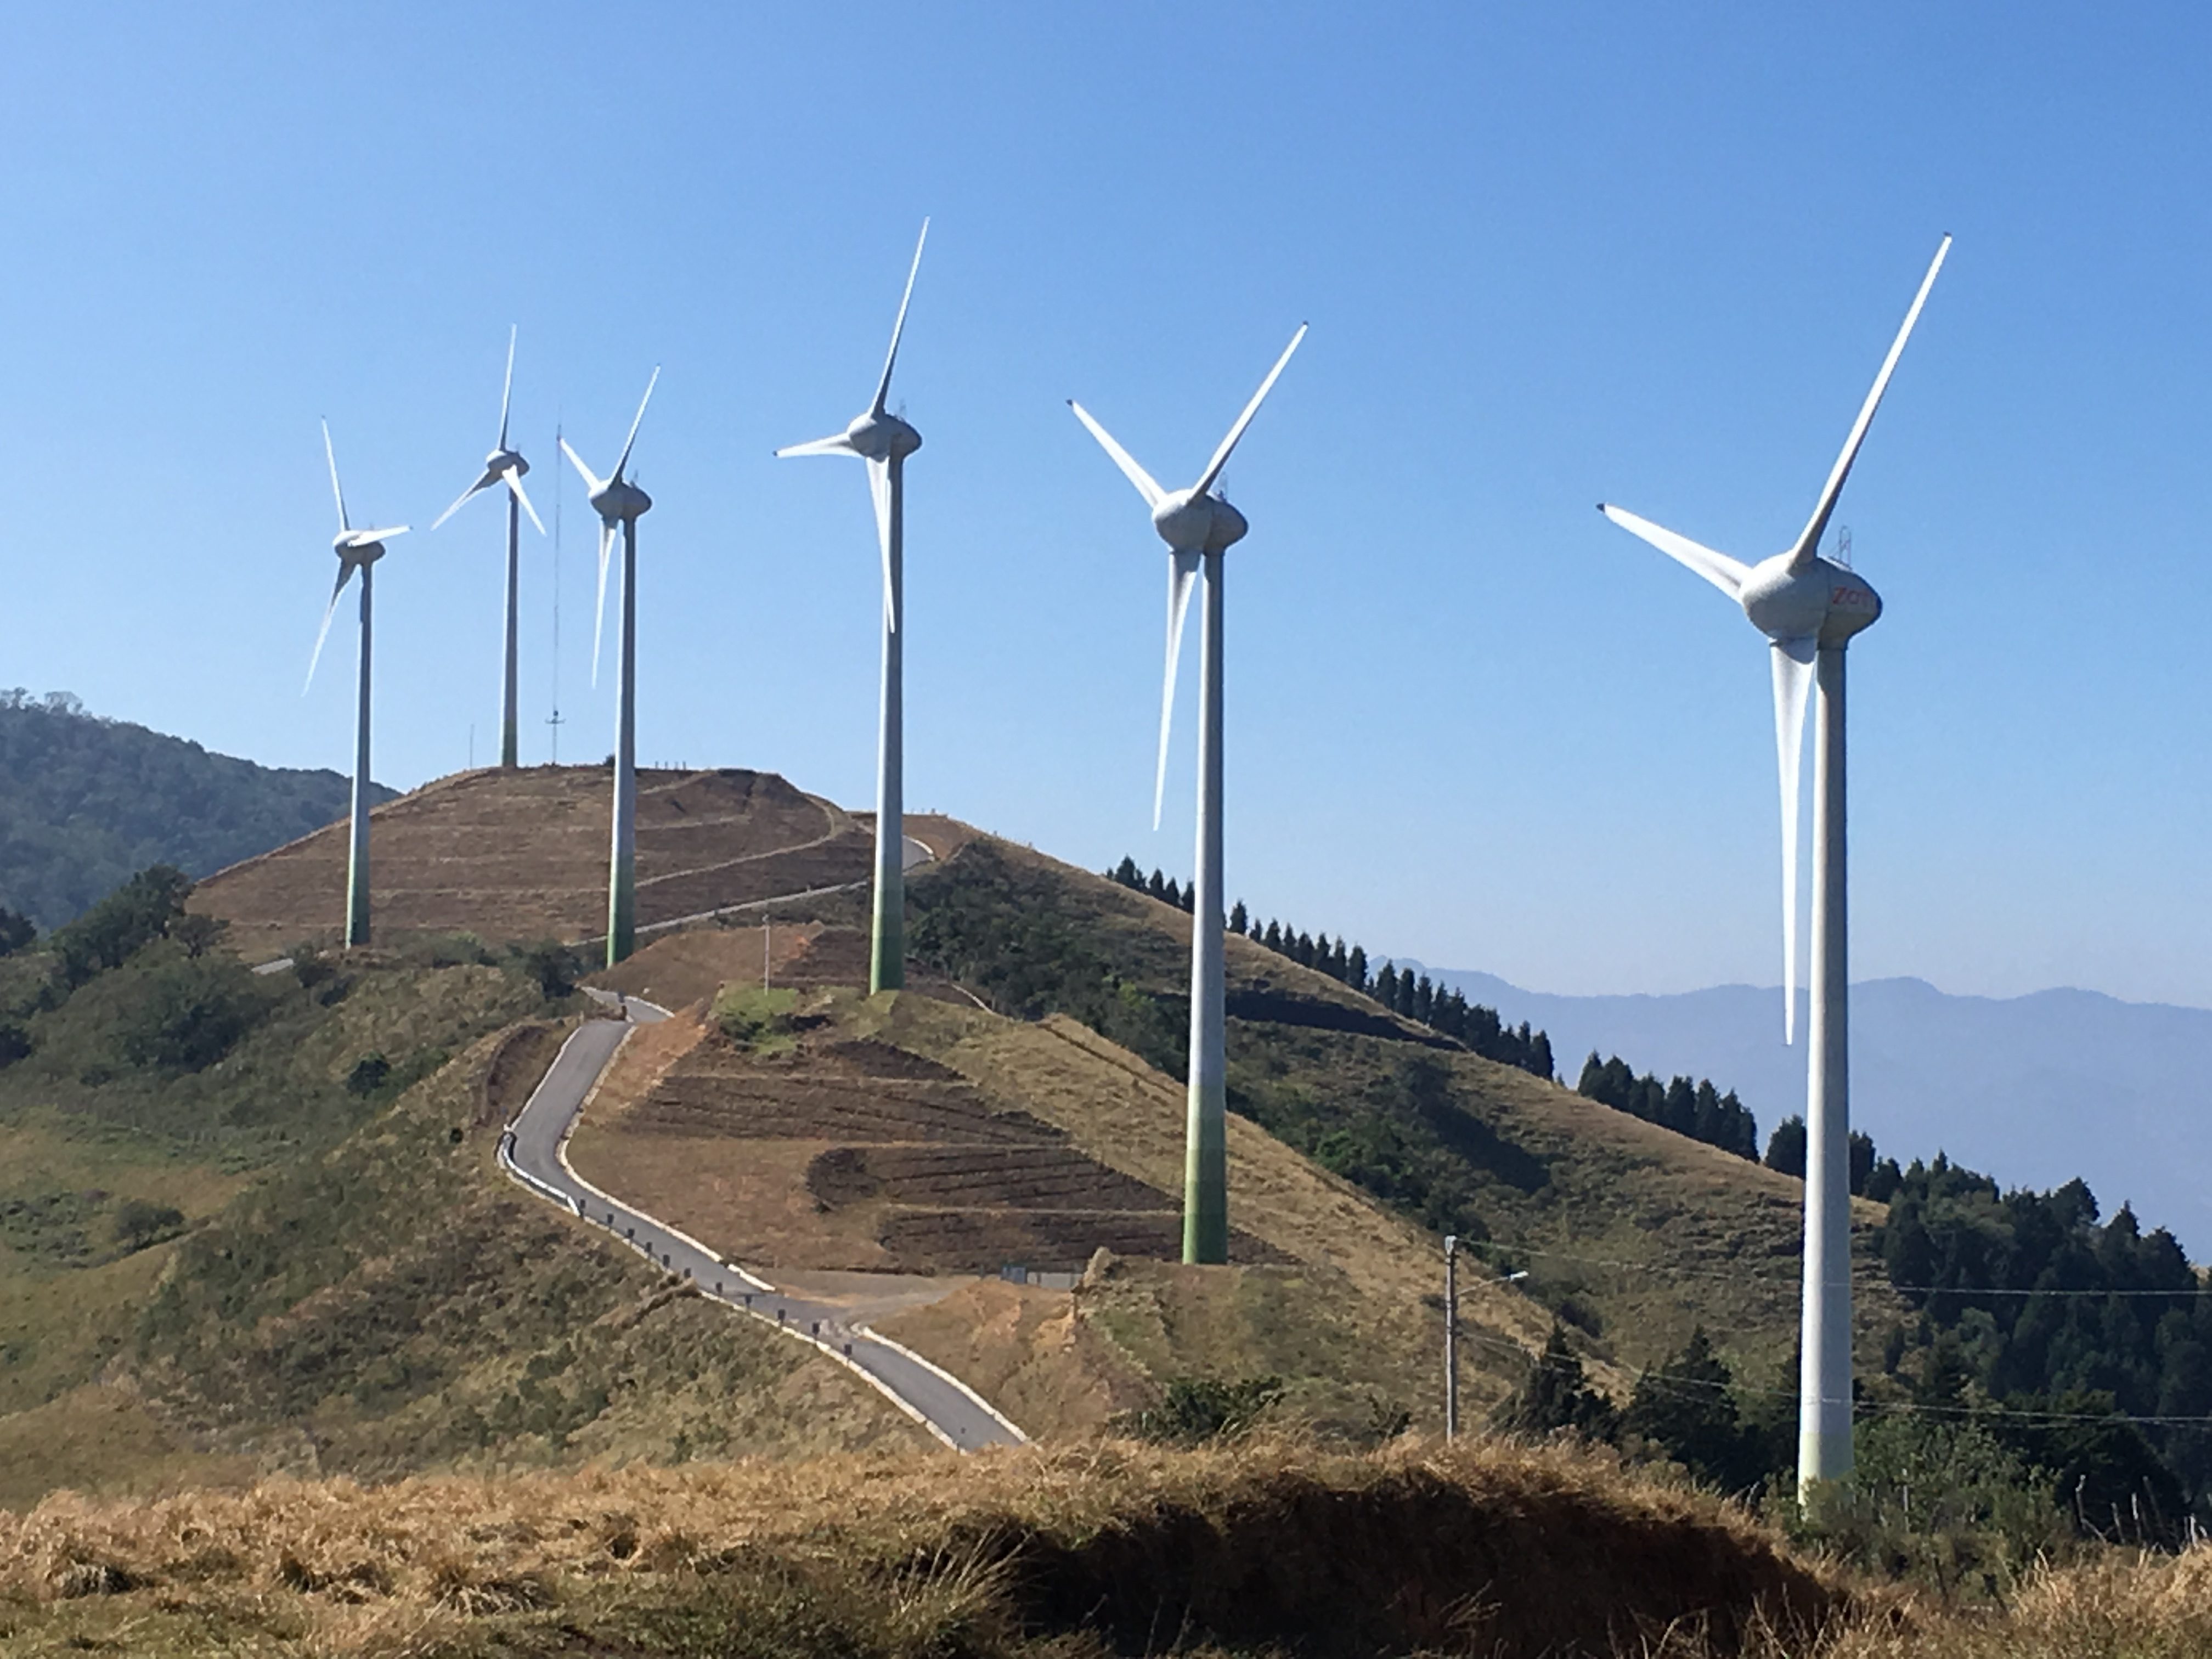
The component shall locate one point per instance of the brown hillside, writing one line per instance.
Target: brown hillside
(523, 855)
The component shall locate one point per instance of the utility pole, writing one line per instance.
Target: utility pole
(1451, 1336)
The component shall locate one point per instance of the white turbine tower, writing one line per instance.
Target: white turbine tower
(620, 504)
(1199, 526)
(505, 466)
(357, 549)
(883, 440)
(1809, 608)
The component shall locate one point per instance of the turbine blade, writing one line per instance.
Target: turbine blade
(638, 420)
(884, 386)
(879, 490)
(599, 614)
(839, 445)
(345, 572)
(337, 494)
(507, 392)
(514, 482)
(366, 537)
(1221, 455)
(593, 483)
(1719, 569)
(485, 482)
(1182, 567)
(1135, 474)
(1809, 542)
(1793, 682)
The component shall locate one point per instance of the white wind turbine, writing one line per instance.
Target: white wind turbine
(620, 504)
(505, 466)
(1809, 608)
(883, 440)
(357, 549)
(1199, 526)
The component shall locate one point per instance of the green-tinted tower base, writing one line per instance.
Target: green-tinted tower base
(622, 871)
(1205, 1158)
(356, 927)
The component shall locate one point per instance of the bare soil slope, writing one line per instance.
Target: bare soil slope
(523, 855)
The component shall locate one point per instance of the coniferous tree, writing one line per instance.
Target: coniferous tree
(1539, 1054)
(1861, 1162)
(1424, 1000)
(1273, 938)
(1126, 873)
(1785, 1152)
(1356, 968)
(1320, 960)
(1158, 886)
(1189, 899)
(1339, 965)
(1556, 1396)
(1386, 986)
(1680, 1113)
(1238, 918)
(1172, 894)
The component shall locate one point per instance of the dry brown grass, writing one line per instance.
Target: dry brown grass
(1486, 1549)
(522, 855)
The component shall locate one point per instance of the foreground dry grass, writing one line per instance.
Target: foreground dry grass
(1110, 1548)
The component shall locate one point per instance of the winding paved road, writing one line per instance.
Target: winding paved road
(533, 1150)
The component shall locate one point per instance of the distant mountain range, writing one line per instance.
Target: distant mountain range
(85, 802)
(2033, 1090)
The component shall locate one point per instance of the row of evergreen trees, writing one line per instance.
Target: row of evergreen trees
(1696, 1109)
(1877, 1178)
(1414, 996)
(2026, 1295)
(1951, 1483)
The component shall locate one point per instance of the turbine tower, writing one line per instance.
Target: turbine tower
(1199, 526)
(506, 465)
(619, 504)
(357, 549)
(1809, 608)
(883, 440)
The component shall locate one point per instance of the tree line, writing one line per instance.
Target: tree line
(1415, 996)
(1696, 1109)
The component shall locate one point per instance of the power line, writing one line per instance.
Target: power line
(1690, 1387)
(1792, 1279)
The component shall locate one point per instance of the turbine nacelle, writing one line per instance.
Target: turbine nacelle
(505, 460)
(1816, 600)
(1191, 522)
(618, 500)
(878, 436)
(353, 551)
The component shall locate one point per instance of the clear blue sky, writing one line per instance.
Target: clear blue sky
(1550, 254)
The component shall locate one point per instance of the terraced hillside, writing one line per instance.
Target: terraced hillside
(844, 1151)
(523, 855)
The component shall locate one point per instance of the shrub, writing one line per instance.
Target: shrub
(187, 1015)
(1197, 1409)
(139, 1223)
(754, 1017)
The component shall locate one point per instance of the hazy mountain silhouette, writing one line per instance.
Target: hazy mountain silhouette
(2033, 1090)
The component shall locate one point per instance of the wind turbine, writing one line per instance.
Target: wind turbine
(1809, 608)
(357, 549)
(620, 504)
(506, 465)
(1199, 526)
(883, 440)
